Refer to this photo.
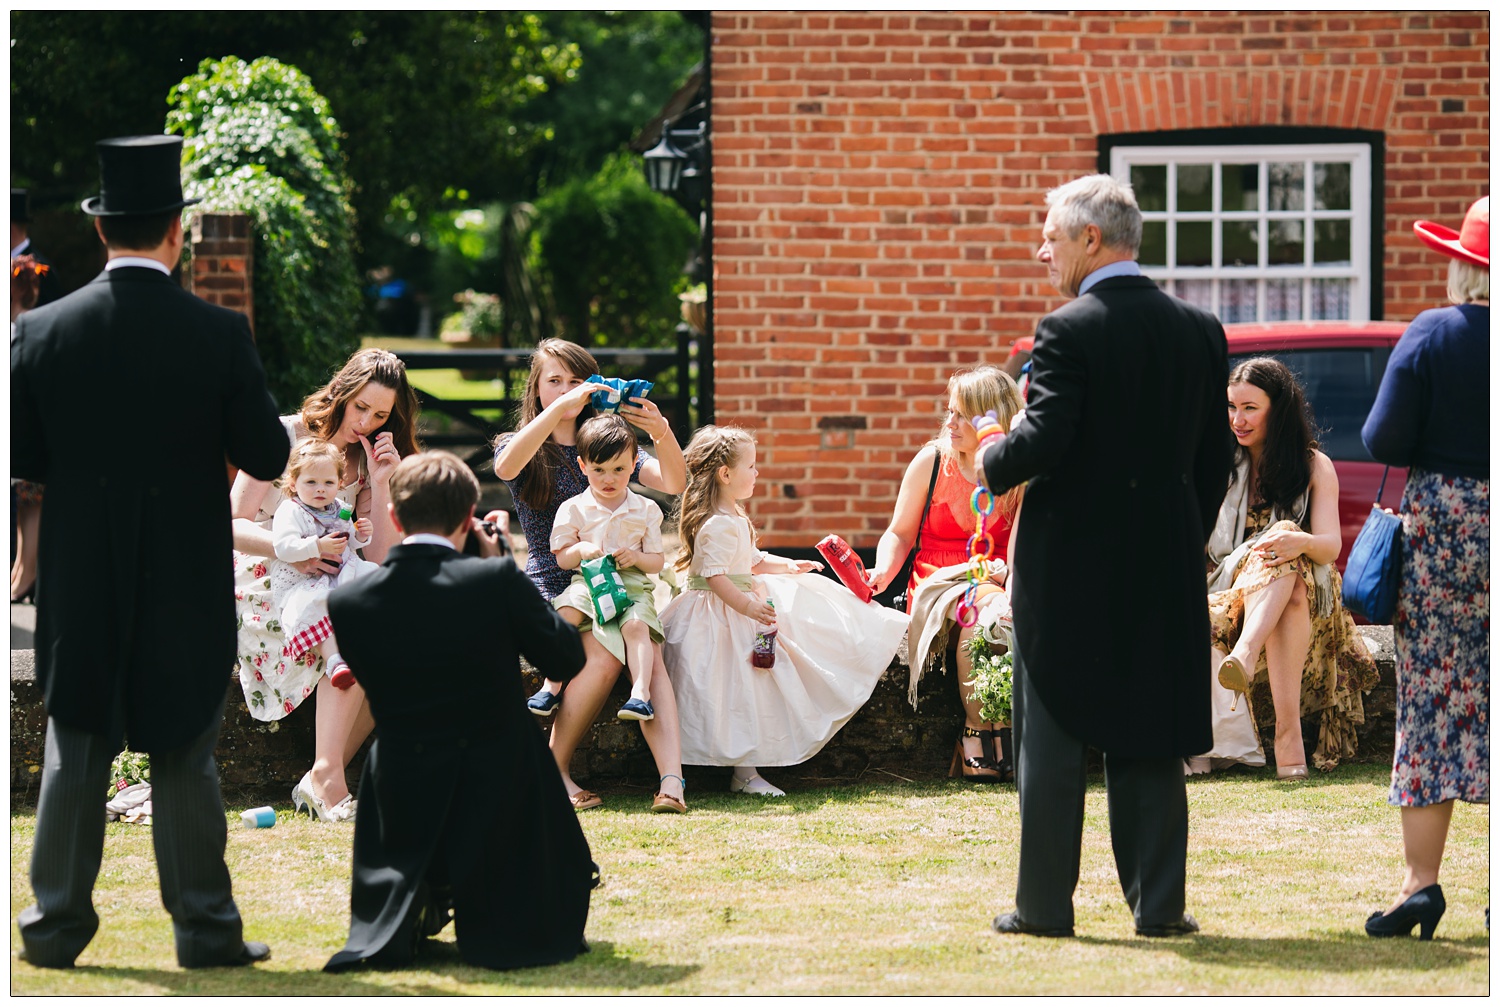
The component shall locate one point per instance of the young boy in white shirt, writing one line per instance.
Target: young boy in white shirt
(610, 519)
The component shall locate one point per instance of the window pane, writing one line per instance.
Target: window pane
(1330, 298)
(1241, 185)
(1154, 243)
(1284, 243)
(1238, 301)
(1195, 187)
(1195, 243)
(1283, 300)
(1285, 184)
(1331, 186)
(1199, 292)
(1331, 242)
(1150, 184)
(1241, 243)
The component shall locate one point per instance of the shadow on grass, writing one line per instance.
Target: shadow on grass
(602, 968)
(1349, 951)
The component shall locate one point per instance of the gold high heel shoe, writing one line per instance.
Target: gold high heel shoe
(1232, 677)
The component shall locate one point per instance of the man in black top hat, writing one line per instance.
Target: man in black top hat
(20, 244)
(135, 626)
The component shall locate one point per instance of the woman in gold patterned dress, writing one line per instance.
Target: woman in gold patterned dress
(1275, 608)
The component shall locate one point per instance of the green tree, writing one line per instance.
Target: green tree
(612, 253)
(259, 139)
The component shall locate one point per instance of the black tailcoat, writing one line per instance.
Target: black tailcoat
(127, 396)
(1128, 451)
(459, 790)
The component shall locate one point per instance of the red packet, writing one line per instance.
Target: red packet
(845, 562)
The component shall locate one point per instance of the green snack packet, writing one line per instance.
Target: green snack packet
(606, 587)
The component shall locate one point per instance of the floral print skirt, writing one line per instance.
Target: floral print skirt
(274, 685)
(1338, 670)
(1443, 643)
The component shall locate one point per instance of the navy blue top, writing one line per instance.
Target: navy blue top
(1433, 411)
(541, 565)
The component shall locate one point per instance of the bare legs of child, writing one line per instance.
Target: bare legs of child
(586, 694)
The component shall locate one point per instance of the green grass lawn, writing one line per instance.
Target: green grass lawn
(872, 888)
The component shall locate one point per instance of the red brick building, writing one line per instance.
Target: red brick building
(878, 186)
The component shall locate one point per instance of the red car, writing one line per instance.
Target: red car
(1340, 365)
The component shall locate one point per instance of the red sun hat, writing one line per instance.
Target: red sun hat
(1472, 244)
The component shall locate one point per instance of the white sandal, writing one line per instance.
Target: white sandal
(757, 785)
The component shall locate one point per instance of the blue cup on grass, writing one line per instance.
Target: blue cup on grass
(259, 818)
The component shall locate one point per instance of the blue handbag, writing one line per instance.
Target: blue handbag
(1373, 573)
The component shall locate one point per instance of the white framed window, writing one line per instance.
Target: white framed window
(1257, 233)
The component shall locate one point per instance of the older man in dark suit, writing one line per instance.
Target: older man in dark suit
(127, 396)
(1126, 446)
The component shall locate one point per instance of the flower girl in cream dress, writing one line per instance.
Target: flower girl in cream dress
(826, 653)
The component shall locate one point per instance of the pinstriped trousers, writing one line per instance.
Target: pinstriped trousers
(188, 832)
(1148, 820)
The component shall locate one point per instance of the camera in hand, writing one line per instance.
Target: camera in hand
(471, 544)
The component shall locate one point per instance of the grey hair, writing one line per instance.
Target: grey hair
(1103, 201)
(1467, 282)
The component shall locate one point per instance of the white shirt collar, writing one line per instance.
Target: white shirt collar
(124, 261)
(21, 248)
(428, 538)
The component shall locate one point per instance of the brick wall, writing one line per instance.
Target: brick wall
(878, 180)
(223, 266)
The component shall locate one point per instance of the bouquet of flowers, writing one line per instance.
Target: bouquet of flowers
(991, 679)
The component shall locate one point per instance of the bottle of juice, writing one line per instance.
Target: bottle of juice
(763, 654)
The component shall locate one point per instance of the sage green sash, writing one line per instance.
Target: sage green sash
(742, 581)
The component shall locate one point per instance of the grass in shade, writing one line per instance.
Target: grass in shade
(869, 888)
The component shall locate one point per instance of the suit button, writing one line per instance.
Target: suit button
(1184, 479)
(1132, 484)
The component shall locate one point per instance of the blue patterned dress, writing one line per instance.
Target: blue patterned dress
(541, 566)
(1443, 642)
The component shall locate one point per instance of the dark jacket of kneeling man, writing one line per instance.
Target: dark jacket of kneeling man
(460, 800)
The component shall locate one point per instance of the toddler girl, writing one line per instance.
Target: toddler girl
(825, 658)
(308, 525)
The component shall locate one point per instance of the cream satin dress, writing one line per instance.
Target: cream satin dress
(831, 650)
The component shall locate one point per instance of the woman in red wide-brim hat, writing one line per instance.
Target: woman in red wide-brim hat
(1432, 415)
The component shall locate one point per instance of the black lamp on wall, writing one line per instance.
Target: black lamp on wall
(680, 172)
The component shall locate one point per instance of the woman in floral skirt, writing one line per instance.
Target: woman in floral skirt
(1432, 415)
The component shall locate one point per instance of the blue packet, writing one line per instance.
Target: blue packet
(621, 391)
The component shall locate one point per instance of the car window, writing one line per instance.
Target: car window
(1340, 387)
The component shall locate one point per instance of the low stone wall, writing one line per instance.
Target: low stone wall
(885, 738)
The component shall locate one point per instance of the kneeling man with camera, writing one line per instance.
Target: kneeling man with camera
(463, 814)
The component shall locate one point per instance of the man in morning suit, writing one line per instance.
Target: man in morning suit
(127, 396)
(1127, 451)
(460, 801)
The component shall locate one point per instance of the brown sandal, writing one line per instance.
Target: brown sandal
(984, 771)
(664, 803)
(585, 799)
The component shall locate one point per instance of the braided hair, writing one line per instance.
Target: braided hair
(711, 449)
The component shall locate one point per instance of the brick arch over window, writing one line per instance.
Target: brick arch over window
(1147, 100)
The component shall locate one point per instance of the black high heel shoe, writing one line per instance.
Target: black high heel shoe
(1425, 907)
(974, 768)
(998, 747)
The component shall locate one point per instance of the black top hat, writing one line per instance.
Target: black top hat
(138, 176)
(20, 207)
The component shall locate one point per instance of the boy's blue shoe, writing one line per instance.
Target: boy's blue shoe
(636, 709)
(544, 704)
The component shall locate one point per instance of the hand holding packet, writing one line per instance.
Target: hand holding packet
(621, 392)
